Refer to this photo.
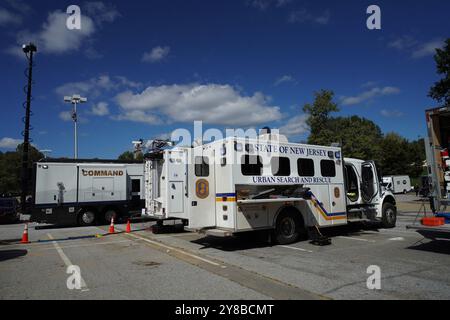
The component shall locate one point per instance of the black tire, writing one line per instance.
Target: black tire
(389, 218)
(289, 227)
(86, 218)
(108, 214)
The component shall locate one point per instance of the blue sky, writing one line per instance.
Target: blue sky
(148, 67)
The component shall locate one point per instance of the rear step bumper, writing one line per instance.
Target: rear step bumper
(220, 233)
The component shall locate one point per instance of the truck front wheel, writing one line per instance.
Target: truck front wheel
(86, 218)
(289, 228)
(389, 217)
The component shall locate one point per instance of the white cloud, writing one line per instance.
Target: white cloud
(9, 143)
(391, 113)
(427, 49)
(65, 115)
(284, 79)
(156, 54)
(369, 84)
(416, 48)
(54, 37)
(295, 126)
(19, 5)
(94, 87)
(100, 11)
(212, 103)
(369, 94)
(264, 4)
(100, 109)
(137, 116)
(403, 43)
(304, 16)
(9, 18)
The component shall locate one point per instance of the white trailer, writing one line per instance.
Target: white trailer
(86, 191)
(236, 185)
(398, 184)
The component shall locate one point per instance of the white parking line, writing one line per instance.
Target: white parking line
(356, 239)
(174, 249)
(295, 248)
(397, 239)
(67, 261)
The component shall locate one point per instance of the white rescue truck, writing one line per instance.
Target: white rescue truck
(86, 191)
(237, 184)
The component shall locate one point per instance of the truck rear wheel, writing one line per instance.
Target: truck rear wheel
(389, 217)
(86, 218)
(289, 227)
(109, 214)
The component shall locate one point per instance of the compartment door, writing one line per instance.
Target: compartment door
(176, 198)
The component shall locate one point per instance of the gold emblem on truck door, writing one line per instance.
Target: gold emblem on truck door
(202, 188)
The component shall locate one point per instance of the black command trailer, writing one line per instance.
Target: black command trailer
(86, 192)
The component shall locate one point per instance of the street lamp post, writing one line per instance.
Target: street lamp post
(74, 100)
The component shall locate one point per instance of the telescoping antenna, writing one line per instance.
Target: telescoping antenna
(29, 49)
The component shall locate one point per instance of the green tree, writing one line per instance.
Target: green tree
(440, 91)
(395, 153)
(319, 117)
(359, 137)
(10, 169)
(129, 156)
(417, 157)
(126, 156)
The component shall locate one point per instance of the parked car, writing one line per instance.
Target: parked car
(9, 210)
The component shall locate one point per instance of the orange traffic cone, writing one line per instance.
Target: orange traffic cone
(111, 226)
(128, 229)
(25, 234)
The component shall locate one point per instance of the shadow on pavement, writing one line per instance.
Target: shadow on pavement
(9, 241)
(11, 254)
(260, 239)
(435, 246)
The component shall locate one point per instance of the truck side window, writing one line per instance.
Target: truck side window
(281, 166)
(251, 165)
(327, 168)
(201, 167)
(305, 167)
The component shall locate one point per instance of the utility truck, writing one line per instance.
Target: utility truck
(86, 192)
(437, 148)
(238, 184)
